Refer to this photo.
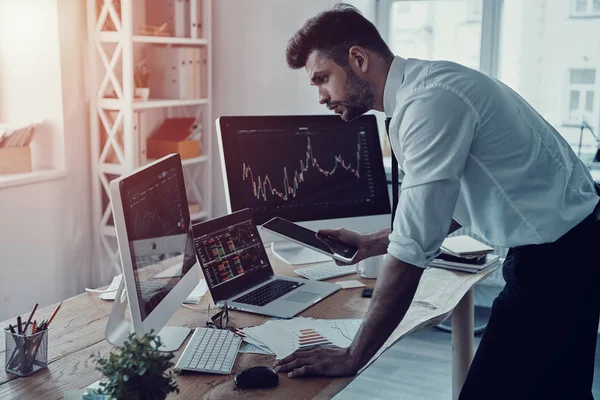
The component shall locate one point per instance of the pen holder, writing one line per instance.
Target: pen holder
(26, 354)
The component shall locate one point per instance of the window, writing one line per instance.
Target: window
(585, 8)
(581, 91)
(437, 30)
(31, 88)
(402, 7)
(551, 62)
(474, 10)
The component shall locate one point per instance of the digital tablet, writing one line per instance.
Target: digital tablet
(298, 234)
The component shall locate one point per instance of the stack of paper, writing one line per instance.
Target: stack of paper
(491, 260)
(465, 246)
(283, 337)
(464, 253)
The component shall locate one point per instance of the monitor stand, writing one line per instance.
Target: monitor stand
(118, 327)
(296, 254)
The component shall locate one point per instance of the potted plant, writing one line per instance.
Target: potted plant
(138, 371)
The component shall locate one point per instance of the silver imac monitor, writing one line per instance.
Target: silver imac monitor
(156, 246)
(316, 170)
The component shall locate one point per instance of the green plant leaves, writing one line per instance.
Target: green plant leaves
(138, 370)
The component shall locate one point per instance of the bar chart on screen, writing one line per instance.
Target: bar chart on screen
(235, 251)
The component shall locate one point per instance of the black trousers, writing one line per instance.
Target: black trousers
(540, 341)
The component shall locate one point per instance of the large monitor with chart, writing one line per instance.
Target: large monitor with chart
(317, 170)
(156, 247)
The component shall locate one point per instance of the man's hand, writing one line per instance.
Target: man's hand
(369, 245)
(392, 296)
(324, 361)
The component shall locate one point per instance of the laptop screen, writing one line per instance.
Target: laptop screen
(231, 254)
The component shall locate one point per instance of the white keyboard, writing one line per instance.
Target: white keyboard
(327, 270)
(210, 350)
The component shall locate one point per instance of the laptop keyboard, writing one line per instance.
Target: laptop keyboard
(269, 292)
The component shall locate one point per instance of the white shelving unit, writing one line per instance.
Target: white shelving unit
(120, 123)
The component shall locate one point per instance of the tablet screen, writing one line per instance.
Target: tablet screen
(311, 238)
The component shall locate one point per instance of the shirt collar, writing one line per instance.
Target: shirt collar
(393, 81)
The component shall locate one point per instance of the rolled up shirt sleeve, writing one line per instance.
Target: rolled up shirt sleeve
(435, 134)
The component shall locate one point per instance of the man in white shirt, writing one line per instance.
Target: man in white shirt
(477, 155)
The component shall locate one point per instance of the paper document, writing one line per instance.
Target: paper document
(199, 291)
(254, 349)
(111, 290)
(284, 337)
(248, 338)
(350, 284)
(347, 327)
(491, 261)
(464, 245)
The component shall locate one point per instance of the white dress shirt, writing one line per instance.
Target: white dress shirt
(473, 149)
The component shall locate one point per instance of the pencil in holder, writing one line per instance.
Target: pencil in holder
(26, 354)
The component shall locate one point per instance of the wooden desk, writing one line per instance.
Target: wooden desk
(78, 331)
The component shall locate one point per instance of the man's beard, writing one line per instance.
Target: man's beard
(359, 97)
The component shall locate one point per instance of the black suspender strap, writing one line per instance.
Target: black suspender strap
(394, 174)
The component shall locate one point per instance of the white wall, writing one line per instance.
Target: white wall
(250, 74)
(45, 228)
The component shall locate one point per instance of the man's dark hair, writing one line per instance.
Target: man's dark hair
(334, 32)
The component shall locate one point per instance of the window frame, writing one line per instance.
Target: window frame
(472, 16)
(489, 50)
(56, 167)
(582, 88)
(588, 13)
(490, 31)
(27, 178)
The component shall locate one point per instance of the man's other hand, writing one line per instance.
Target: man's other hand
(350, 237)
(324, 361)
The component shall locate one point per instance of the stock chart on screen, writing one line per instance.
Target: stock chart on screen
(230, 253)
(155, 210)
(158, 231)
(304, 166)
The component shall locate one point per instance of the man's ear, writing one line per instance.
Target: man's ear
(358, 59)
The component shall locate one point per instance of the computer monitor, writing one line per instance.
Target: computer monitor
(316, 170)
(156, 246)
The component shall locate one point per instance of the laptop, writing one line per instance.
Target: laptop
(237, 270)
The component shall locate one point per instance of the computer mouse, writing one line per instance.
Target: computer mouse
(256, 378)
